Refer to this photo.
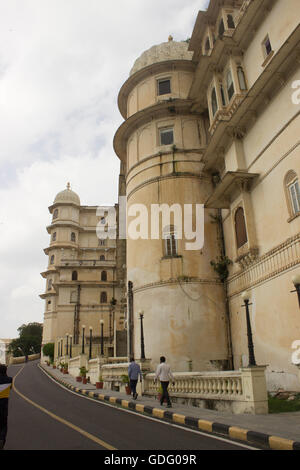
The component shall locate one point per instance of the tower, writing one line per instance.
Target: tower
(161, 144)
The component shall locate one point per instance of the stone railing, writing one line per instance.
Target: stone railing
(21, 359)
(112, 375)
(242, 391)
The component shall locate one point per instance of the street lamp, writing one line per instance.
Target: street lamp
(67, 345)
(296, 282)
(71, 337)
(102, 348)
(90, 352)
(83, 328)
(246, 298)
(141, 314)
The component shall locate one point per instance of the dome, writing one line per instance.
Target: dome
(67, 196)
(170, 50)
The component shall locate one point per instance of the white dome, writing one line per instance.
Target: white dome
(67, 196)
(170, 50)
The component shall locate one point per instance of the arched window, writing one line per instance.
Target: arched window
(103, 276)
(55, 214)
(214, 103)
(240, 228)
(74, 276)
(73, 237)
(292, 188)
(207, 46)
(52, 259)
(230, 22)
(230, 85)
(241, 77)
(221, 28)
(54, 236)
(103, 298)
(170, 238)
(222, 95)
(102, 258)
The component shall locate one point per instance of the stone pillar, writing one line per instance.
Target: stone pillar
(145, 368)
(255, 390)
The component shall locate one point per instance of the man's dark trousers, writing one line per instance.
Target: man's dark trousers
(3, 418)
(165, 394)
(133, 386)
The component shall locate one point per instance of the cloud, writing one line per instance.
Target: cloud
(62, 64)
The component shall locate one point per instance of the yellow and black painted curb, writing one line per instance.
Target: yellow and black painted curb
(225, 430)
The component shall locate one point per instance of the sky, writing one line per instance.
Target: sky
(62, 64)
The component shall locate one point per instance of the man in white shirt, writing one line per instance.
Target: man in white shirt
(164, 374)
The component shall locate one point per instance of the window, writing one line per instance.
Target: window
(222, 95)
(267, 47)
(49, 284)
(207, 46)
(170, 239)
(52, 259)
(230, 85)
(293, 192)
(48, 304)
(241, 77)
(73, 237)
(103, 298)
(55, 214)
(54, 236)
(102, 242)
(240, 228)
(102, 258)
(73, 297)
(230, 22)
(221, 28)
(214, 103)
(103, 276)
(166, 136)
(74, 276)
(164, 87)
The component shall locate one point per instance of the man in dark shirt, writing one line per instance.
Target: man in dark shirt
(134, 372)
(5, 387)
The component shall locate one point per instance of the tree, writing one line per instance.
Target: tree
(29, 341)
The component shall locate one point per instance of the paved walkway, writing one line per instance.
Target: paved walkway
(277, 431)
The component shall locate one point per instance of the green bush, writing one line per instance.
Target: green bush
(48, 350)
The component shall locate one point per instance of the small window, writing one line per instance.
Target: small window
(48, 304)
(166, 136)
(207, 46)
(267, 47)
(230, 22)
(55, 214)
(102, 258)
(52, 259)
(49, 284)
(214, 102)
(240, 228)
(102, 242)
(103, 298)
(230, 85)
(164, 87)
(54, 236)
(241, 77)
(74, 276)
(222, 95)
(73, 237)
(294, 190)
(170, 241)
(103, 276)
(221, 28)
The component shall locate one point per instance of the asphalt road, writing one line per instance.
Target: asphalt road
(56, 419)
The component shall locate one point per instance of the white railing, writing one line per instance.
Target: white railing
(220, 385)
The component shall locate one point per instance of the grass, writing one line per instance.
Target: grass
(284, 406)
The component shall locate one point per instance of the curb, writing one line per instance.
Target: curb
(251, 437)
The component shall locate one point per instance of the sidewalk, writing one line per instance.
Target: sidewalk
(274, 431)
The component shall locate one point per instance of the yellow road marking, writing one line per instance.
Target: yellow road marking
(63, 421)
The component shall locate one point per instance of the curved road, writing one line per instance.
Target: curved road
(45, 416)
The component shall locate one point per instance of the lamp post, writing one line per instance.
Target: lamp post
(102, 348)
(67, 345)
(296, 282)
(91, 339)
(141, 314)
(83, 328)
(71, 338)
(246, 298)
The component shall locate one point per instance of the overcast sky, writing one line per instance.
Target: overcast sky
(62, 63)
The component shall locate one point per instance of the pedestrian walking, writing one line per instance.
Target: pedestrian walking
(164, 374)
(134, 372)
(5, 387)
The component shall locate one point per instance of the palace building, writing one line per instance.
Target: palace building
(212, 120)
